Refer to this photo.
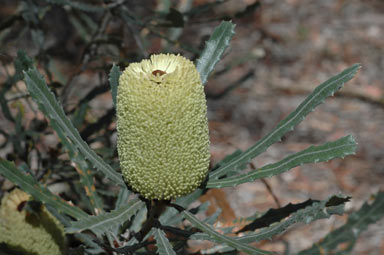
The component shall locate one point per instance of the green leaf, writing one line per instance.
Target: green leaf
(348, 233)
(50, 107)
(172, 215)
(336, 149)
(88, 183)
(316, 211)
(227, 159)
(259, 221)
(94, 248)
(79, 115)
(82, 168)
(214, 49)
(32, 187)
(314, 99)
(139, 219)
(164, 247)
(213, 218)
(102, 223)
(113, 79)
(219, 238)
(122, 198)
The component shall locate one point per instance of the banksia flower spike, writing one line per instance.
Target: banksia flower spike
(26, 233)
(162, 125)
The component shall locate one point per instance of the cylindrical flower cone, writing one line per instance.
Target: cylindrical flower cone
(25, 233)
(162, 125)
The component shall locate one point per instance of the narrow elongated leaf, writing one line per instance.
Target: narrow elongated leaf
(314, 99)
(164, 247)
(113, 79)
(217, 237)
(50, 107)
(214, 49)
(316, 211)
(82, 168)
(32, 187)
(88, 182)
(273, 215)
(339, 148)
(102, 223)
(350, 231)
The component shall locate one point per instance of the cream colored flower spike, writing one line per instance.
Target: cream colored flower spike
(162, 125)
(26, 233)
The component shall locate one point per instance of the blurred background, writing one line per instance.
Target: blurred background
(281, 51)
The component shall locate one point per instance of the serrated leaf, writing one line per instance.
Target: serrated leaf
(164, 247)
(113, 79)
(348, 233)
(94, 248)
(336, 149)
(219, 238)
(275, 215)
(50, 107)
(139, 220)
(32, 187)
(326, 89)
(169, 214)
(88, 183)
(214, 49)
(82, 168)
(102, 223)
(316, 211)
(122, 198)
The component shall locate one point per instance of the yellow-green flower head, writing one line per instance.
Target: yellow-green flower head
(27, 233)
(162, 125)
